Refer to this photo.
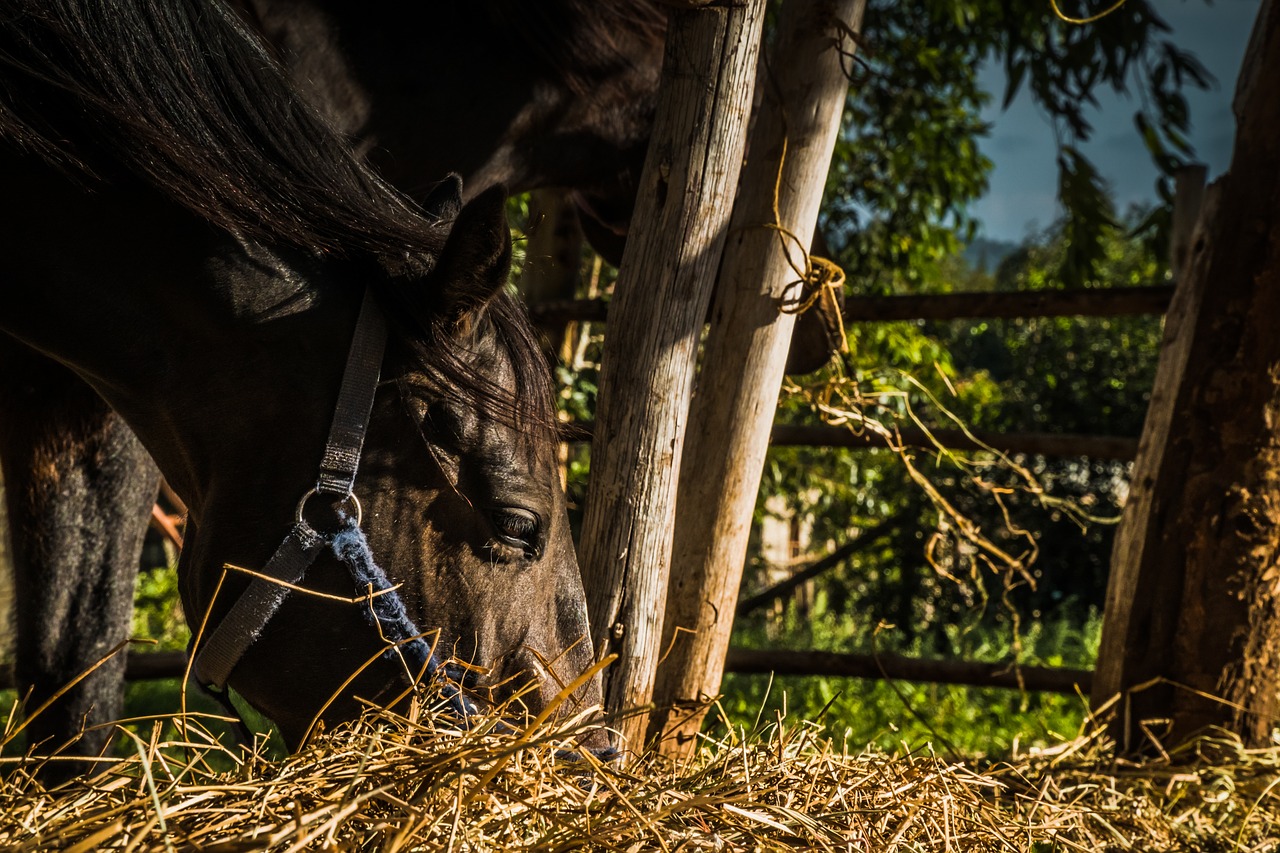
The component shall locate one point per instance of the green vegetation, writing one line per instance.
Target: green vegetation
(926, 586)
(962, 721)
(909, 160)
(157, 614)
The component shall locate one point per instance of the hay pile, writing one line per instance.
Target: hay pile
(391, 783)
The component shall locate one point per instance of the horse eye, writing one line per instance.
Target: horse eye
(518, 528)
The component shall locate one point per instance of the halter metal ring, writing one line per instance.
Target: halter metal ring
(349, 496)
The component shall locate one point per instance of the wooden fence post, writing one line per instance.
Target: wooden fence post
(1131, 600)
(746, 350)
(657, 316)
(1193, 606)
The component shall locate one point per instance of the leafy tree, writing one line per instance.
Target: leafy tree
(1070, 375)
(909, 161)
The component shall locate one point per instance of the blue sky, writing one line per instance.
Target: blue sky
(1023, 184)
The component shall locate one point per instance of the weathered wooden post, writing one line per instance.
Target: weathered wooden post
(655, 321)
(1193, 605)
(1133, 595)
(746, 350)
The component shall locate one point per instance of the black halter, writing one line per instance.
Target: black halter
(220, 652)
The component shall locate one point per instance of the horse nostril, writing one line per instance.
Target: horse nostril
(598, 742)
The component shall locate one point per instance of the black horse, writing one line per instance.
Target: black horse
(183, 235)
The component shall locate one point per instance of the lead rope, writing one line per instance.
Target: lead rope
(218, 654)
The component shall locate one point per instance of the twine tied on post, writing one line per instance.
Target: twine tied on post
(820, 280)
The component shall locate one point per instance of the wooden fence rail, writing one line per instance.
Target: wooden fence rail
(1076, 302)
(1039, 443)
(901, 668)
(144, 666)
(150, 666)
(1090, 302)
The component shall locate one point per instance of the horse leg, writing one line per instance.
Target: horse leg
(79, 488)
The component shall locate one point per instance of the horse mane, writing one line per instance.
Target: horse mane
(585, 42)
(181, 95)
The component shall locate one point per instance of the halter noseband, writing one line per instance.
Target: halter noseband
(218, 654)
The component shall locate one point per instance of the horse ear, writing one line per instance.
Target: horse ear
(476, 260)
(444, 202)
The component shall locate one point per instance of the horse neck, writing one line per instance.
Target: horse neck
(205, 344)
(433, 88)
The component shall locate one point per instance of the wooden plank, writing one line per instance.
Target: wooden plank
(145, 666)
(679, 228)
(1095, 302)
(900, 668)
(569, 310)
(142, 666)
(1191, 635)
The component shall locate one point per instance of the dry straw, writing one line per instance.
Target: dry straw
(421, 782)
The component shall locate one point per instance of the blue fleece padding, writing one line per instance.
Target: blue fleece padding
(352, 550)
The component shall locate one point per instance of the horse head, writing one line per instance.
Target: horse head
(459, 493)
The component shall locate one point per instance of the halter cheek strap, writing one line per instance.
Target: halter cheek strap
(220, 652)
